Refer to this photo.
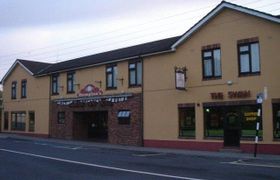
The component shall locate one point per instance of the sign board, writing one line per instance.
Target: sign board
(90, 90)
(260, 98)
(180, 78)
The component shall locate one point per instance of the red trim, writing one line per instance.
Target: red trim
(29, 134)
(211, 146)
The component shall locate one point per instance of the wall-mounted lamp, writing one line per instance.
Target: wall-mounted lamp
(121, 79)
(77, 84)
(99, 82)
(229, 83)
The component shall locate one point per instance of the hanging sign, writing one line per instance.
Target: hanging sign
(90, 90)
(180, 78)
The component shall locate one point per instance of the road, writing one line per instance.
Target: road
(39, 159)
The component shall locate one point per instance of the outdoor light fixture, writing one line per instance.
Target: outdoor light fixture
(229, 82)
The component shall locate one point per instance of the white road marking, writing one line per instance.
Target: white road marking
(242, 163)
(99, 166)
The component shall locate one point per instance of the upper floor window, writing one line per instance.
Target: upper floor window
(249, 58)
(111, 77)
(54, 84)
(23, 88)
(14, 90)
(70, 82)
(211, 60)
(135, 73)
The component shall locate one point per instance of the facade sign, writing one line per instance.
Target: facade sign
(231, 95)
(90, 90)
(180, 78)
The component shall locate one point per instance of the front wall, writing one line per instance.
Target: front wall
(161, 98)
(93, 74)
(37, 100)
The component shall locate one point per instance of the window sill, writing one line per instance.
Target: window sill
(249, 74)
(183, 137)
(134, 86)
(214, 138)
(111, 88)
(23, 97)
(276, 139)
(71, 92)
(55, 94)
(211, 78)
(250, 138)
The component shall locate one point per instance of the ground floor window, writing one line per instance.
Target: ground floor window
(18, 121)
(31, 121)
(6, 120)
(276, 120)
(61, 117)
(246, 117)
(187, 122)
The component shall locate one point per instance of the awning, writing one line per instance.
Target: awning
(94, 99)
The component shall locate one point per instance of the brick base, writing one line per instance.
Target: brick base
(211, 146)
(117, 134)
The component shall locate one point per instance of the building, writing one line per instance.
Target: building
(1, 107)
(196, 91)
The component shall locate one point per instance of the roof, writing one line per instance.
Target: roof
(223, 5)
(113, 56)
(32, 67)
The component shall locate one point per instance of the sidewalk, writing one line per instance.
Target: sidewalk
(246, 156)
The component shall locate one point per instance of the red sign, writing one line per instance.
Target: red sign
(231, 94)
(239, 94)
(217, 95)
(90, 90)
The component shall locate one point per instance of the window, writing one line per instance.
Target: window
(135, 73)
(6, 120)
(187, 122)
(211, 63)
(249, 58)
(31, 121)
(124, 117)
(215, 116)
(276, 120)
(14, 90)
(23, 88)
(61, 117)
(18, 121)
(111, 77)
(55, 84)
(70, 82)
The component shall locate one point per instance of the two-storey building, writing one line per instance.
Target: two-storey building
(195, 91)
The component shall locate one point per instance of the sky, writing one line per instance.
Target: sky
(58, 30)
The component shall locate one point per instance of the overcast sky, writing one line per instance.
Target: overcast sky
(58, 30)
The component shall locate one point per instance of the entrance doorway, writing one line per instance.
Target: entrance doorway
(232, 130)
(91, 126)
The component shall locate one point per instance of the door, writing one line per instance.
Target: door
(97, 127)
(232, 130)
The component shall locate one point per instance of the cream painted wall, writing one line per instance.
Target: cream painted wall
(93, 74)
(37, 99)
(161, 98)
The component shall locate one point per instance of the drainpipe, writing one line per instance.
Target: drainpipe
(142, 100)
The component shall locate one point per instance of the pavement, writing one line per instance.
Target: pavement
(239, 155)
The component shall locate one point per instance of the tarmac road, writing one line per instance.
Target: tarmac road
(32, 158)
